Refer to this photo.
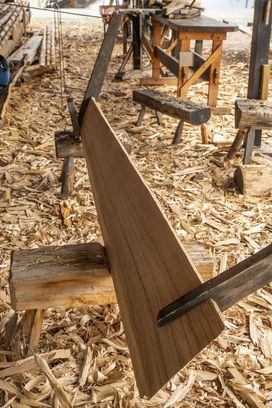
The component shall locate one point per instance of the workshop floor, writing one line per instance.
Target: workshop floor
(194, 184)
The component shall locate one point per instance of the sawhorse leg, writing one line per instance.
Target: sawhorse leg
(141, 116)
(250, 138)
(32, 329)
(178, 133)
(215, 73)
(67, 176)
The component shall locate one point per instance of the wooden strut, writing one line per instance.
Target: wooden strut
(225, 289)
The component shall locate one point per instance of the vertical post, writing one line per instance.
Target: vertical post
(214, 74)
(259, 51)
(136, 44)
(156, 40)
(183, 71)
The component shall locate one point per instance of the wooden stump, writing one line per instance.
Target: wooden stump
(254, 180)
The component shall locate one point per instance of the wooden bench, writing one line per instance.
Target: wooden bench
(185, 111)
(250, 115)
(70, 276)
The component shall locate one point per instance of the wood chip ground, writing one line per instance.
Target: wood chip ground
(83, 360)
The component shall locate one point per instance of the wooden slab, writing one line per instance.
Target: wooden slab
(148, 264)
(253, 112)
(65, 276)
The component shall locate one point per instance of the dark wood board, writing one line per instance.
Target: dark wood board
(201, 24)
(147, 261)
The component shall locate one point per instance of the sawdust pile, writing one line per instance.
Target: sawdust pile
(83, 359)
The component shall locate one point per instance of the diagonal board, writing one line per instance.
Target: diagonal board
(101, 64)
(148, 264)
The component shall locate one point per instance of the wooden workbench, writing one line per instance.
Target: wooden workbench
(183, 32)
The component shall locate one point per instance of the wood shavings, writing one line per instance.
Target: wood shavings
(194, 185)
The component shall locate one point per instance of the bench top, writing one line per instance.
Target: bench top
(197, 24)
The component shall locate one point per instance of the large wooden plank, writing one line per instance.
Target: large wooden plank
(147, 261)
(101, 64)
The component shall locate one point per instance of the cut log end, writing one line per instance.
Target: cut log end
(254, 180)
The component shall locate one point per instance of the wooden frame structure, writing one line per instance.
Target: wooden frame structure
(183, 32)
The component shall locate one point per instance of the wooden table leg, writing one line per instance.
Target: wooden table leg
(156, 40)
(183, 71)
(214, 74)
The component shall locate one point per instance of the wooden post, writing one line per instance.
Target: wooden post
(259, 51)
(156, 40)
(136, 42)
(183, 71)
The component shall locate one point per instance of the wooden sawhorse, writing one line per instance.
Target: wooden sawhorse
(183, 32)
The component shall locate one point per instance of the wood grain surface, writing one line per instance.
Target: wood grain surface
(148, 264)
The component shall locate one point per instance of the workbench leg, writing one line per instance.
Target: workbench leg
(141, 116)
(178, 133)
(249, 145)
(156, 40)
(183, 71)
(214, 74)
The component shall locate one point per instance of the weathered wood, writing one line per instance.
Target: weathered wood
(27, 51)
(168, 61)
(147, 262)
(101, 64)
(64, 276)
(250, 112)
(237, 143)
(178, 133)
(67, 146)
(249, 145)
(225, 289)
(187, 111)
(136, 40)
(73, 116)
(254, 180)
